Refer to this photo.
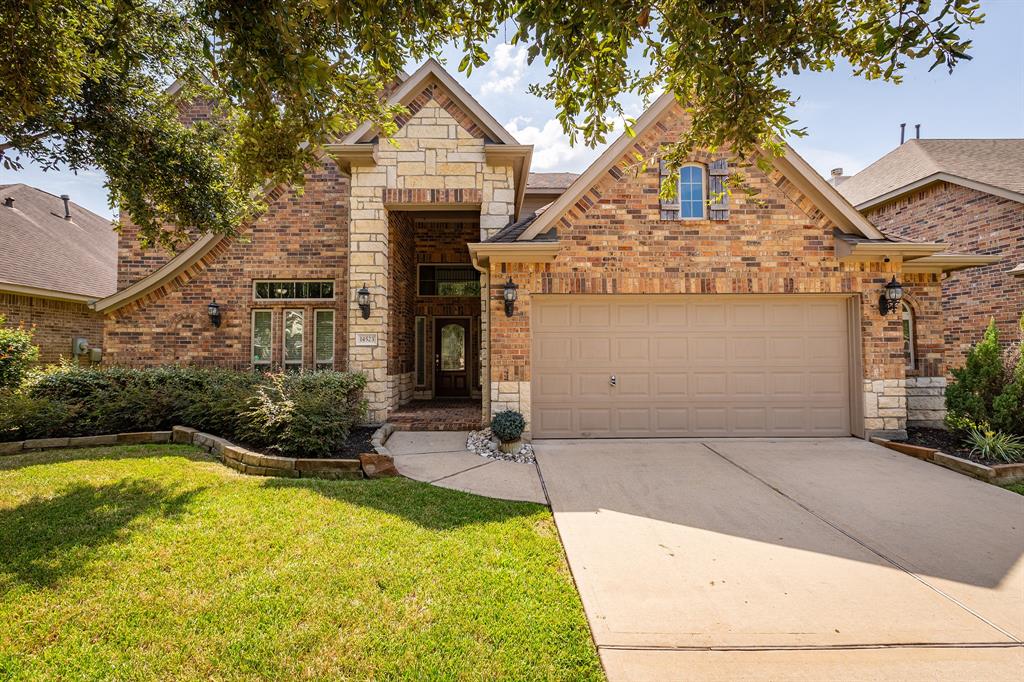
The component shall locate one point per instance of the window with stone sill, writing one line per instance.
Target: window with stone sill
(909, 334)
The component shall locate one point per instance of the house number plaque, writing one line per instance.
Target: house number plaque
(363, 339)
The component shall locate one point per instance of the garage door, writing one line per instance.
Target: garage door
(662, 366)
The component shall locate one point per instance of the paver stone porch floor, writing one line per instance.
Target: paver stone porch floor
(439, 414)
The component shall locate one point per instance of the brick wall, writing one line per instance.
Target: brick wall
(401, 292)
(969, 221)
(613, 241)
(54, 323)
(133, 261)
(298, 237)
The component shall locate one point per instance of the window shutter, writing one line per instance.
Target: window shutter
(718, 173)
(669, 207)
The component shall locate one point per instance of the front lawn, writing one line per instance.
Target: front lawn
(156, 562)
(1015, 487)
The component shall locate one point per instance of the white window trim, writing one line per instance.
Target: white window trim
(269, 301)
(252, 338)
(907, 315)
(442, 265)
(285, 362)
(316, 333)
(704, 191)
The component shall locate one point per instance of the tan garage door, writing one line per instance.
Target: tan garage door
(643, 366)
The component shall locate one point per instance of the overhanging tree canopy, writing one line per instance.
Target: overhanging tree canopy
(82, 83)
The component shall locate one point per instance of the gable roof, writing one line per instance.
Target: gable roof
(47, 255)
(791, 165)
(992, 165)
(412, 86)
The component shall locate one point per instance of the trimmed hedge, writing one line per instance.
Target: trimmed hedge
(308, 414)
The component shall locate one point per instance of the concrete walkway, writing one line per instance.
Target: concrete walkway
(816, 559)
(440, 458)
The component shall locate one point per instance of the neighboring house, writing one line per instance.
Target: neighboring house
(543, 188)
(57, 257)
(968, 195)
(607, 312)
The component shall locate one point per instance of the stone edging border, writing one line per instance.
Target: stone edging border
(998, 474)
(369, 465)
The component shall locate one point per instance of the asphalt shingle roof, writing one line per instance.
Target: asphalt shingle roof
(999, 163)
(550, 180)
(41, 249)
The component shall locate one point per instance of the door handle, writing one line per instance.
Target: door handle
(612, 380)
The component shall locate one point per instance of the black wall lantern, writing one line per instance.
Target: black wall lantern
(213, 310)
(510, 297)
(363, 299)
(892, 294)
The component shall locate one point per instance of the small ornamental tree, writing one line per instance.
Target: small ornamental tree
(976, 385)
(1008, 407)
(17, 355)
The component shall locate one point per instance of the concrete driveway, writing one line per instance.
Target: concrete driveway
(807, 559)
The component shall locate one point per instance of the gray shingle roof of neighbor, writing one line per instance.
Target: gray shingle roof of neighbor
(540, 181)
(511, 232)
(995, 162)
(40, 249)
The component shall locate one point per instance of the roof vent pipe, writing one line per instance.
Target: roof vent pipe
(917, 131)
(903, 132)
(67, 206)
(9, 202)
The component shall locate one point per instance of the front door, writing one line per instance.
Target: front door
(451, 356)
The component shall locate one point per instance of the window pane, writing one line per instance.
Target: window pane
(262, 289)
(326, 289)
(261, 335)
(293, 322)
(421, 351)
(453, 348)
(324, 336)
(319, 289)
(449, 280)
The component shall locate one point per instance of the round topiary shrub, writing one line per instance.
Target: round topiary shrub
(508, 425)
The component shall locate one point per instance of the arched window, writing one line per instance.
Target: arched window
(908, 335)
(691, 192)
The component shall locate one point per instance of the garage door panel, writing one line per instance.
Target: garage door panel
(690, 366)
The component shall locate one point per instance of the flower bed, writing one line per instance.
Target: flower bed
(997, 474)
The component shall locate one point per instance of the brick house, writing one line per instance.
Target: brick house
(966, 194)
(440, 267)
(57, 258)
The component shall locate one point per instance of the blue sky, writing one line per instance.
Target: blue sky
(850, 121)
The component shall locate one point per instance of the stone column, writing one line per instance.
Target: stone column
(368, 265)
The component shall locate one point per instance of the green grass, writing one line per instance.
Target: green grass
(1015, 487)
(156, 562)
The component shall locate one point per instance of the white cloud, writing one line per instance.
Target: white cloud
(551, 148)
(506, 70)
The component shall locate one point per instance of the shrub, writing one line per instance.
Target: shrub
(978, 383)
(508, 425)
(309, 414)
(305, 415)
(17, 355)
(995, 446)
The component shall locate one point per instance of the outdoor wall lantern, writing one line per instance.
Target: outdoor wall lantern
(213, 310)
(892, 294)
(510, 297)
(363, 299)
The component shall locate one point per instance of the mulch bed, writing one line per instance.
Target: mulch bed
(358, 442)
(943, 440)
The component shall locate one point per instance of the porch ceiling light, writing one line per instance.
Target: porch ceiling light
(892, 294)
(510, 296)
(363, 299)
(213, 310)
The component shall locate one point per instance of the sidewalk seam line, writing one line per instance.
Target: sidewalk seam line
(475, 466)
(874, 551)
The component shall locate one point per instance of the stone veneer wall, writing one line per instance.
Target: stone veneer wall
(54, 324)
(613, 241)
(438, 157)
(926, 401)
(969, 221)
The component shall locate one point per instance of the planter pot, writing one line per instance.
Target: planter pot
(511, 447)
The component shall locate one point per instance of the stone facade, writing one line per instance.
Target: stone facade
(969, 221)
(54, 324)
(614, 242)
(436, 160)
(926, 401)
